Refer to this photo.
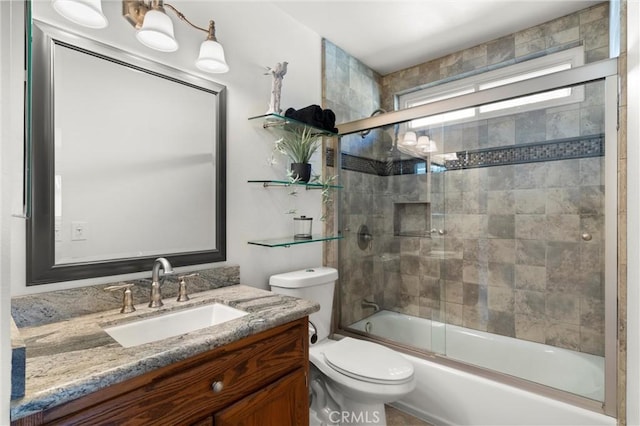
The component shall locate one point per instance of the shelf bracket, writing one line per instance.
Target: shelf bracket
(286, 185)
(268, 124)
(268, 184)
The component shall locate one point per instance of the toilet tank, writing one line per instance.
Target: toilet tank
(315, 284)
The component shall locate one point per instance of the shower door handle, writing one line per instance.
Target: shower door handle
(365, 239)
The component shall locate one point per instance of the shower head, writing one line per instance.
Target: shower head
(364, 133)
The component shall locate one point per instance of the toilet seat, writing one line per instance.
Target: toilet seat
(368, 362)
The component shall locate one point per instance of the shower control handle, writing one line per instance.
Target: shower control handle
(365, 239)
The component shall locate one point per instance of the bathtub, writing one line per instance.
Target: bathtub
(448, 396)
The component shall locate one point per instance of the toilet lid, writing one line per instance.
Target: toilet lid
(368, 361)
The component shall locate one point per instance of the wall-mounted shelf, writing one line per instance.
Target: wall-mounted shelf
(280, 122)
(286, 183)
(290, 241)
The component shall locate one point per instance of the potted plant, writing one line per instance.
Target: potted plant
(299, 145)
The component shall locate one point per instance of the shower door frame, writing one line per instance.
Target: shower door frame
(606, 70)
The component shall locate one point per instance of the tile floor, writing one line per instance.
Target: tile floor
(396, 417)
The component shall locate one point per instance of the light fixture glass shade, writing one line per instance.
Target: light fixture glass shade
(157, 32)
(87, 13)
(211, 58)
(409, 139)
(425, 144)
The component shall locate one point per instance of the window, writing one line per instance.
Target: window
(545, 65)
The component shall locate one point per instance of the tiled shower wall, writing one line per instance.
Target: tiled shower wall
(511, 259)
(399, 272)
(353, 91)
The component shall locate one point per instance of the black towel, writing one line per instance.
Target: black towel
(315, 116)
(311, 115)
(329, 121)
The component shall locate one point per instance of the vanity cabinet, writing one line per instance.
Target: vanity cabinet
(258, 380)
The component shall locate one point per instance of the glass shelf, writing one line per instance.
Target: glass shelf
(307, 185)
(289, 124)
(290, 241)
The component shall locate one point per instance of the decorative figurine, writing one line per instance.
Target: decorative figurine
(276, 86)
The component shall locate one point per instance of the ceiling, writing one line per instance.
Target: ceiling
(390, 35)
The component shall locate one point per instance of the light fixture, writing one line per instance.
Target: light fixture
(422, 147)
(409, 139)
(211, 58)
(425, 144)
(87, 13)
(155, 30)
(153, 25)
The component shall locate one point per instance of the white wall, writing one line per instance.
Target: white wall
(254, 35)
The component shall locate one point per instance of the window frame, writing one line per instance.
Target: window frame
(573, 57)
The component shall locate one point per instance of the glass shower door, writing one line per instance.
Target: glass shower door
(490, 234)
(522, 230)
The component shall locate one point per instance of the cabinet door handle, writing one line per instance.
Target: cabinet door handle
(217, 386)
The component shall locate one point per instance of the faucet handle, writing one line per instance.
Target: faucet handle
(127, 297)
(182, 287)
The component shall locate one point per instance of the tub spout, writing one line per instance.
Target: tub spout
(367, 304)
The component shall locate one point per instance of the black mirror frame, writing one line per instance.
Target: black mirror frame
(41, 267)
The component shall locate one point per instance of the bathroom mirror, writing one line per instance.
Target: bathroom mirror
(128, 162)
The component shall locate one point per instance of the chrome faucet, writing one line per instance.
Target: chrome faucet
(367, 304)
(155, 300)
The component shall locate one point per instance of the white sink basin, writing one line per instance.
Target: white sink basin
(172, 324)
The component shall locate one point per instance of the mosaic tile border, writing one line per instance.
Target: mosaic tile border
(380, 168)
(559, 149)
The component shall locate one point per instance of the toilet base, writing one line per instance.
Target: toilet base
(323, 410)
(330, 406)
(352, 417)
(355, 413)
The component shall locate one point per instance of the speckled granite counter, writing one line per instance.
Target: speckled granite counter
(72, 358)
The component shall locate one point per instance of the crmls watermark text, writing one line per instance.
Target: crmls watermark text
(352, 417)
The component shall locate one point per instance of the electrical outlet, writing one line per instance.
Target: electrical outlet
(79, 231)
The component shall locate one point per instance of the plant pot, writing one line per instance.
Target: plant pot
(301, 171)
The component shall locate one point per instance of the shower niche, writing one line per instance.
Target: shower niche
(412, 219)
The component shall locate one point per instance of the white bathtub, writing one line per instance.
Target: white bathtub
(449, 396)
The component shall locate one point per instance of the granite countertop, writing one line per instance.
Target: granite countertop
(72, 358)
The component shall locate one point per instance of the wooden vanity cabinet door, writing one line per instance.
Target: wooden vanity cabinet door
(283, 403)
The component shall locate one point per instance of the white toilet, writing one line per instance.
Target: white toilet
(351, 379)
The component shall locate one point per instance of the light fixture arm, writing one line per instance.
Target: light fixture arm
(211, 31)
(134, 11)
